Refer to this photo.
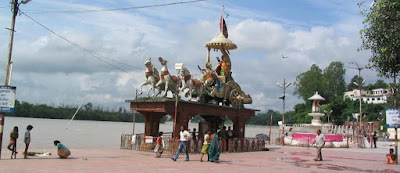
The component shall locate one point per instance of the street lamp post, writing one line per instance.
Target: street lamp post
(329, 113)
(15, 7)
(359, 87)
(284, 86)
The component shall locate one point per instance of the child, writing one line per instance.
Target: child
(62, 150)
(160, 146)
(13, 142)
(391, 156)
(27, 139)
(206, 143)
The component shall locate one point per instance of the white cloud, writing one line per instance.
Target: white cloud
(259, 35)
(50, 70)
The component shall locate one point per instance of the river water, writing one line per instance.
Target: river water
(86, 134)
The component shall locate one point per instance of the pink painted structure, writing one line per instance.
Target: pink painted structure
(308, 137)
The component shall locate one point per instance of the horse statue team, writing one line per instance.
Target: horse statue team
(164, 81)
(215, 85)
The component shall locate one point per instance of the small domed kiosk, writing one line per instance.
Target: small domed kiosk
(316, 109)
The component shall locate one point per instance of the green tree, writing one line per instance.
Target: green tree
(380, 84)
(265, 118)
(88, 106)
(333, 81)
(381, 35)
(308, 83)
(351, 86)
(376, 85)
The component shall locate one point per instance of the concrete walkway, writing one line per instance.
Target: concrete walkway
(278, 159)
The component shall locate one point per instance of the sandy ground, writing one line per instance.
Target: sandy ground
(278, 159)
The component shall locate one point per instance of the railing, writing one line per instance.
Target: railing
(143, 143)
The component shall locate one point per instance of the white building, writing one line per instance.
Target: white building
(375, 96)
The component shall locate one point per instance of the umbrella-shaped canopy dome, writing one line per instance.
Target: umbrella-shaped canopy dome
(316, 96)
(219, 41)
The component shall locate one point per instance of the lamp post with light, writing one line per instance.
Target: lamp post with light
(7, 80)
(284, 86)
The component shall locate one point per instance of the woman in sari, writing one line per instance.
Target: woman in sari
(214, 150)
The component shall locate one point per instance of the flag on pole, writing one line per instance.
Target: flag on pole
(222, 27)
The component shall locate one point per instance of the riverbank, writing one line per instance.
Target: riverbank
(278, 159)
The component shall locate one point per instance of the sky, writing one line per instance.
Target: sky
(49, 70)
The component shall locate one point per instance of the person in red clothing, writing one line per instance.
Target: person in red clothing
(12, 145)
(159, 147)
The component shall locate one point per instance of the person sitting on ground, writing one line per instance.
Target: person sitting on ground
(159, 147)
(12, 145)
(62, 150)
(391, 156)
(27, 139)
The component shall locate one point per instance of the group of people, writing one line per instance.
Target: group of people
(211, 146)
(62, 150)
(12, 145)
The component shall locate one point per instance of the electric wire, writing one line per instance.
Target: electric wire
(112, 9)
(94, 54)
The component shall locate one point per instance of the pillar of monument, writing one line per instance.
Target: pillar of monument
(152, 123)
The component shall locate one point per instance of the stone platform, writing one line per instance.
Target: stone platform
(278, 159)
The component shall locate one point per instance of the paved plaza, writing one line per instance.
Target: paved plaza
(278, 159)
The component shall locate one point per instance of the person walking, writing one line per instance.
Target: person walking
(214, 149)
(206, 144)
(375, 138)
(184, 137)
(159, 149)
(319, 143)
(27, 139)
(12, 145)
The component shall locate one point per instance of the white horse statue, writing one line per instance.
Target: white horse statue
(192, 84)
(169, 81)
(152, 77)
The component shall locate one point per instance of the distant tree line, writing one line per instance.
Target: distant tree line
(87, 112)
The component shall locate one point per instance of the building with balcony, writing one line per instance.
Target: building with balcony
(375, 96)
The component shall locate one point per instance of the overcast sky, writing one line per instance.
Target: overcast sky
(49, 70)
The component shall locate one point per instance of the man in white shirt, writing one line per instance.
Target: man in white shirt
(184, 137)
(319, 143)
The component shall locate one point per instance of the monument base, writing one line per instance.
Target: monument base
(314, 128)
(316, 121)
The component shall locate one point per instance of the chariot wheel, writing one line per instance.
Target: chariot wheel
(233, 98)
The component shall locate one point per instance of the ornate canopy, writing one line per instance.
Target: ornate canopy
(316, 96)
(219, 41)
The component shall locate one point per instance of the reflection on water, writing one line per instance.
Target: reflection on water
(86, 134)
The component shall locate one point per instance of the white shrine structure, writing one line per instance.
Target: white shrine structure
(316, 110)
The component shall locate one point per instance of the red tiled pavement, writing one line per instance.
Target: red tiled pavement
(279, 159)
